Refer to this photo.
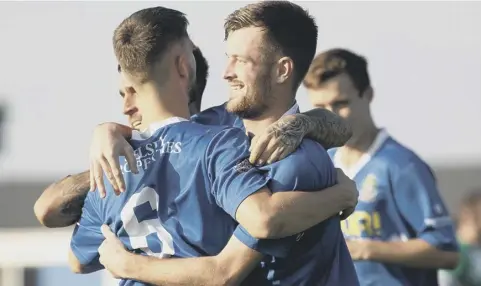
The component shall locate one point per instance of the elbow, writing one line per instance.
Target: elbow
(77, 269)
(224, 275)
(223, 279)
(42, 213)
(75, 265)
(266, 226)
(82, 269)
(49, 219)
(45, 212)
(261, 215)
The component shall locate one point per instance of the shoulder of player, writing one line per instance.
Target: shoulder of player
(311, 149)
(399, 157)
(198, 129)
(308, 154)
(222, 133)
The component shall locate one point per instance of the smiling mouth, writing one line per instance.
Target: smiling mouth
(236, 87)
(136, 124)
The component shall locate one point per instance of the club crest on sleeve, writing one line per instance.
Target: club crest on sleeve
(243, 166)
(368, 191)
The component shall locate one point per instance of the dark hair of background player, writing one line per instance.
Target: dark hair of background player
(201, 75)
(334, 62)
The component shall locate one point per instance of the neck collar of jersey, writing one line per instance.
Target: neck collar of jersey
(293, 110)
(153, 127)
(351, 172)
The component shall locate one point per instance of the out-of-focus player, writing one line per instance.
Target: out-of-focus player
(264, 70)
(148, 94)
(468, 270)
(400, 232)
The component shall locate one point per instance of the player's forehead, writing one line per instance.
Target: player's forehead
(324, 96)
(336, 89)
(247, 42)
(124, 81)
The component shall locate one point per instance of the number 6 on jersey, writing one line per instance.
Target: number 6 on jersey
(140, 222)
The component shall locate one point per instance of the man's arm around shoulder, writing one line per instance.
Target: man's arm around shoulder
(326, 127)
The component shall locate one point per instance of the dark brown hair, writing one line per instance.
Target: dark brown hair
(144, 37)
(290, 30)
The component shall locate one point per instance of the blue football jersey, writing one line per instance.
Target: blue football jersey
(191, 180)
(318, 256)
(398, 200)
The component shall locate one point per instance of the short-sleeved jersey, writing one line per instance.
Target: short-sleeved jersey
(191, 180)
(398, 200)
(318, 256)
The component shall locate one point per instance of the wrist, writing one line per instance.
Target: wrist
(115, 128)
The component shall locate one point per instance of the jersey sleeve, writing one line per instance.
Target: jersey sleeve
(417, 197)
(308, 169)
(233, 178)
(216, 115)
(87, 236)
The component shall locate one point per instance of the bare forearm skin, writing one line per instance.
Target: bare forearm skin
(327, 128)
(61, 203)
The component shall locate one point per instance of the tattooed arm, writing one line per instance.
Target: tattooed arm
(61, 203)
(284, 136)
(325, 127)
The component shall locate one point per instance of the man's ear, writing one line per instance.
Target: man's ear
(285, 69)
(181, 65)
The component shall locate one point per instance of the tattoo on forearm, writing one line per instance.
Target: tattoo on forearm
(74, 190)
(318, 124)
(290, 131)
(327, 128)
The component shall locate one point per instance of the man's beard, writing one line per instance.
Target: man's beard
(254, 103)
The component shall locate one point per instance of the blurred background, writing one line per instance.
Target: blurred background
(58, 80)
